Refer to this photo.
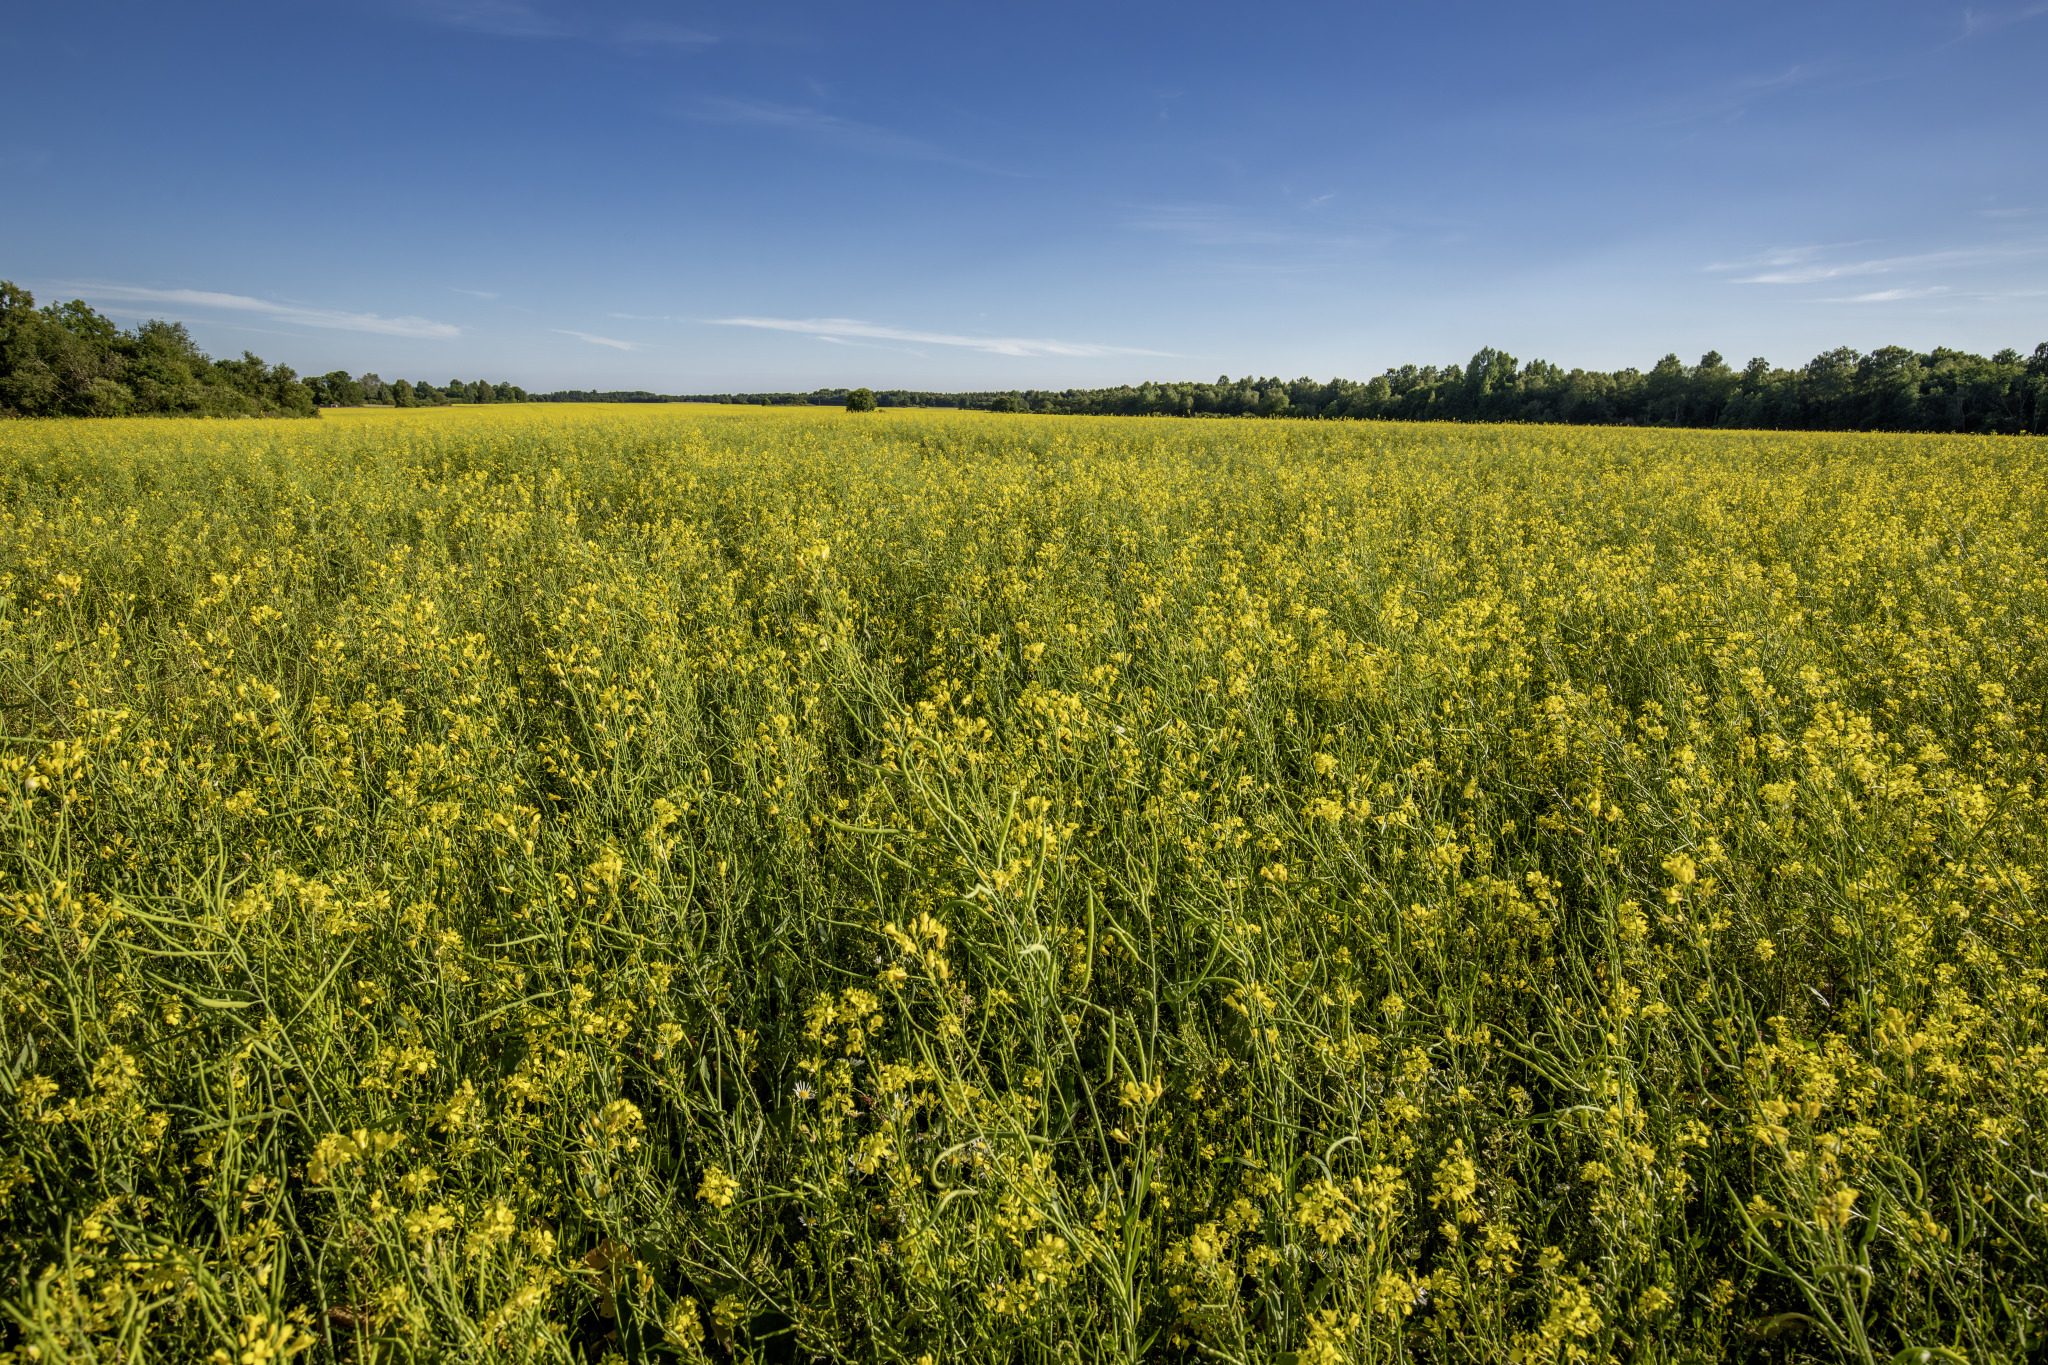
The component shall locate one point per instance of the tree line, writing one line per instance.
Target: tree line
(619, 396)
(1889, 389)
(340, 390)
(67, 360)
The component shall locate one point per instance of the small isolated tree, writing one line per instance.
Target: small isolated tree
(861, 400)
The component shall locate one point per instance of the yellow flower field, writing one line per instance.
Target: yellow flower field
(558, 882)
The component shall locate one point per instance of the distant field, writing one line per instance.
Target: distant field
(546, 881)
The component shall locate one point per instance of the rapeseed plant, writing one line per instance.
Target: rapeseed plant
(567, 882)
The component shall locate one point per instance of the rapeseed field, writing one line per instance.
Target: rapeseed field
(570, 883)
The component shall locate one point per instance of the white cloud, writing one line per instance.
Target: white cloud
(1297, 240)
(840, 328)
(1783, 255)
(283, 312)
(1217, 225)
(511, 19)
(1730, 100)
(1890, 295)
(485, 294)
(1980, 21)
(657, 33)
(503, 18)
(830, 130)
(1802, 269)
(596, 340)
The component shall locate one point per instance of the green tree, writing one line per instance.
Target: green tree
(2034, 383)
(58, 361)
(1891, 389)
(1713, 384)
(1665, 390)
(1489, 382)
(338, 389)
(861, 400)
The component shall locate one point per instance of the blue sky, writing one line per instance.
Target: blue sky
(780, 195)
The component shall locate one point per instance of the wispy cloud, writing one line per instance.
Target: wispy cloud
(1217, 225)
(1730, 100)
(1891, 295)
(828, 130)
(656, 33)
(595, 340)
(1811, 271)
(1201, 225)
(283, 312)
(1976, 21)
(512, 19)
(485, 294)
(840, 328)
(1298, 239)
(1783, 256)
(641, 317)
(502, 18)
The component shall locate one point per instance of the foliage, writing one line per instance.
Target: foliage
(1891, 389)
(694, 883)
(338, 389)
(632, 396)
(67, 360)
(861, 400)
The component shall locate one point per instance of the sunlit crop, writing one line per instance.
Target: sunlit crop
(550, 882)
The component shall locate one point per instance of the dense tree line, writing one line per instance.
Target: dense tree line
(612, 396)
(1890, 389)
(339, 390)
(66, 360)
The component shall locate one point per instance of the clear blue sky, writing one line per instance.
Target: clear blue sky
(780, 195)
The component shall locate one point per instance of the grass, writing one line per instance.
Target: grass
(555, 882)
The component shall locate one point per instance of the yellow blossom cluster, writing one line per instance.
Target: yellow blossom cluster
(568, 881)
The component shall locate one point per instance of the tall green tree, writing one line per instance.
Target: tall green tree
(338, 389)
(67, 360)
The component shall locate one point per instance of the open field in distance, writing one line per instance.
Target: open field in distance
(542, 882)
